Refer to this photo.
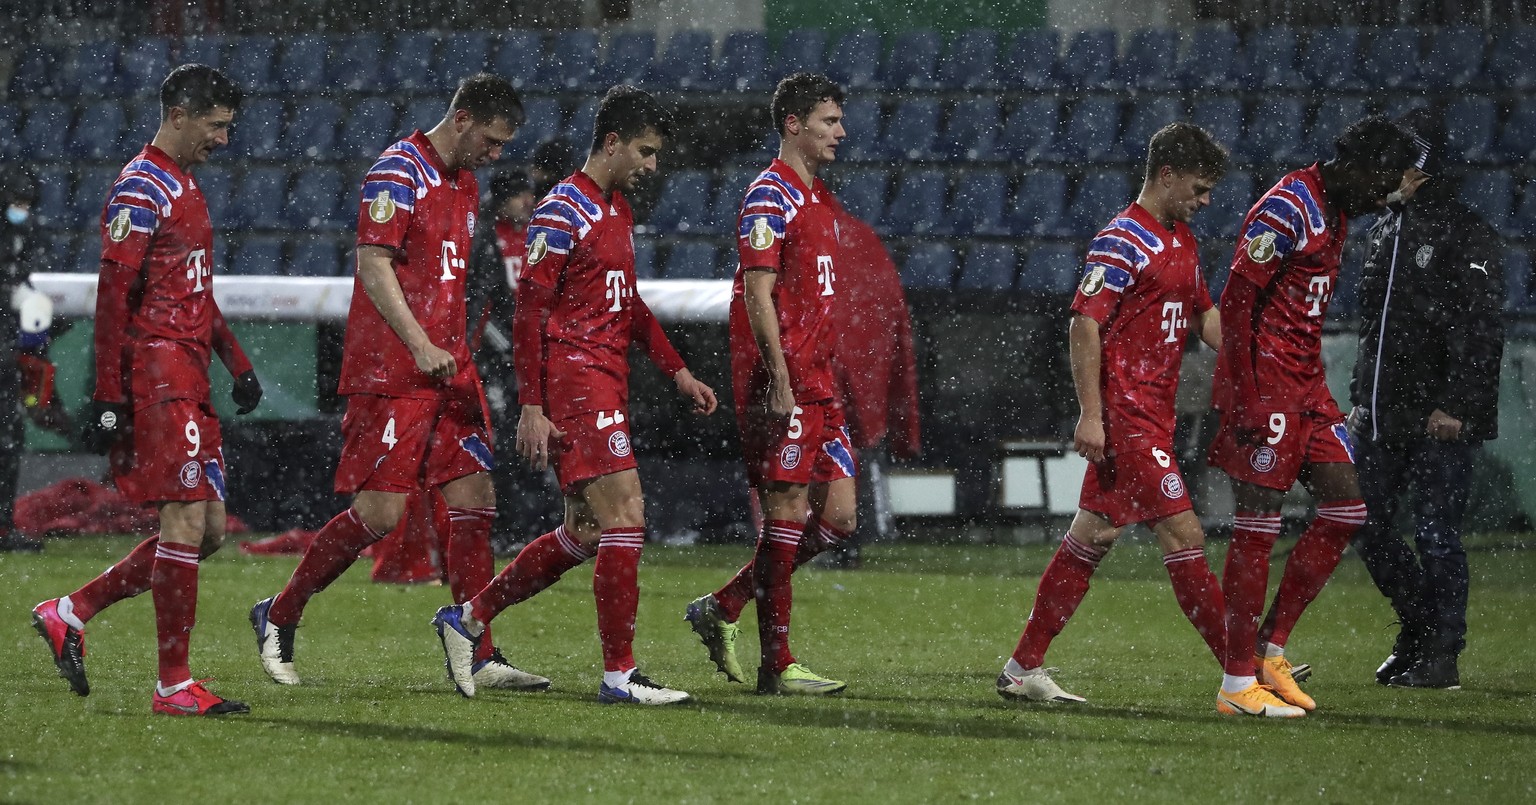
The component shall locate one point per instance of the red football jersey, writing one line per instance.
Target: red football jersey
(512, 245)
(1290, 248)
(415, 206)
(1143, 286)
(792, 230)
(156, 221)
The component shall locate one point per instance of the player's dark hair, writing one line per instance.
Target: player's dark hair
(1376, 143)
(488, 98)
(628, 112)
(1188, 149)
(197, 88)
(798, 94)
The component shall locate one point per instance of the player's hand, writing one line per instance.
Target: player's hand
(1443, 427)
(702, 396)
(246, 393)
(780, 402)
(103, 424)
(1088, 440)
(535, 434)
(436, 362)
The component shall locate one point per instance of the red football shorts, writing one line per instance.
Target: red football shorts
(596, 443)
(173, 451)
(1274, 458)
(402, 444)
(1143, 485)
(811, 447)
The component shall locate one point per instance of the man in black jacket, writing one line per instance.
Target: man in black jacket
(1425, 392)
(20, 254)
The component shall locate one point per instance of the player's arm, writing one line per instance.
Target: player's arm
(376, 272)
(1269, 237)
(247, 389)
(1238, 312)
(763, 318)
(1210, 328)
(1475, 341)
(1086, 348)
(530, 319)
(647, 330)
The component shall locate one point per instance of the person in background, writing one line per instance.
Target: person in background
(20, 254)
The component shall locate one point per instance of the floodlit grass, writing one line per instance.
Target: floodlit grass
(919, 634)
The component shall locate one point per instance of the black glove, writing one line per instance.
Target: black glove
(104, 423)
(246, 393)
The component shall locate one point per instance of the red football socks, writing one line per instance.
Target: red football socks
(471, 565)
(615, 583)
(773, 566)
(1199, 595)
(1061, 589)
(538, 565)
(174, 586)
(817, 537)
(126, 579)
(1312, 562)
(334, 550)
(1244, 581)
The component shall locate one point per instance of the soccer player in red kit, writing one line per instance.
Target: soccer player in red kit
(799, 458)
(1279, 422)
(156, 326)
(1141, 293)
(415, 411)
(577, 314)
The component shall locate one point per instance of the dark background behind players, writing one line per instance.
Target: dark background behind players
(21, 253)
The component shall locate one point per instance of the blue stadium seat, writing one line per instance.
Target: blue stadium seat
(1099, 195)
(854, 60)
(988, 266)
(917, 205)
(683, 205)
(314, 202)
(90, 197)
(1455, 58)
(98, 131)
(315, 256)
(570, 62)
(464, 54)
(260, 128)
(929, 266)
(687, 62)
(92, 68)
(409, 61)
(311, 132)
(249, 60)
(1524, 219)
(544, 121)
(1031, 63)
(301, 68)
(1469, 129)
(422, 113)
(1039, 207)
(1510, 66)
(54, 188)
(913, 62)
(42, 135)
(215, 182)
(801, 49)
(143, 64)
(1345, 302)
(142, 124)
(1231, 199)
(1392, 59)
(1399, 105)
(912, 130)
(367, 130)
(629, 56)
(970, 133)
(729, 193)
(1332, 59)
(202, 49)
(58, 253)
(258, 256)
(1091, 133)
(645, 258)
(1090, 60)
(353, 61)
(87, 256)
(256, 202)
(971, 62)
(1333, 116)
(976, 207)
(10, 121)
(35, 71)
(1051, 270)
(1491, 193)
(863, 123)
(1029, 133)
(862, 192)
(1274, 132)
(1212, 60)
(517, 57)
(1517, 142)
(1517, 281)
(1216, 264)
(692, 261)
(743, 65)
(1147, 117)
(578, 129)
(1150, 61)
(1272, 58)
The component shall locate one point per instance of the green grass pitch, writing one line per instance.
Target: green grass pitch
(920, 634)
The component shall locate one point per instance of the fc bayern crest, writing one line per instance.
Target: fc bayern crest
(1263, 459)
(789, 457)
(191, 474)
(618, 444)
(1173, 486)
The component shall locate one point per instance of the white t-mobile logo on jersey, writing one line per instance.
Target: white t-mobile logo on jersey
(1173, 321)
(824, 273)
(618, 291)
(197, 268)
(451, 260)
(1319, 291)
